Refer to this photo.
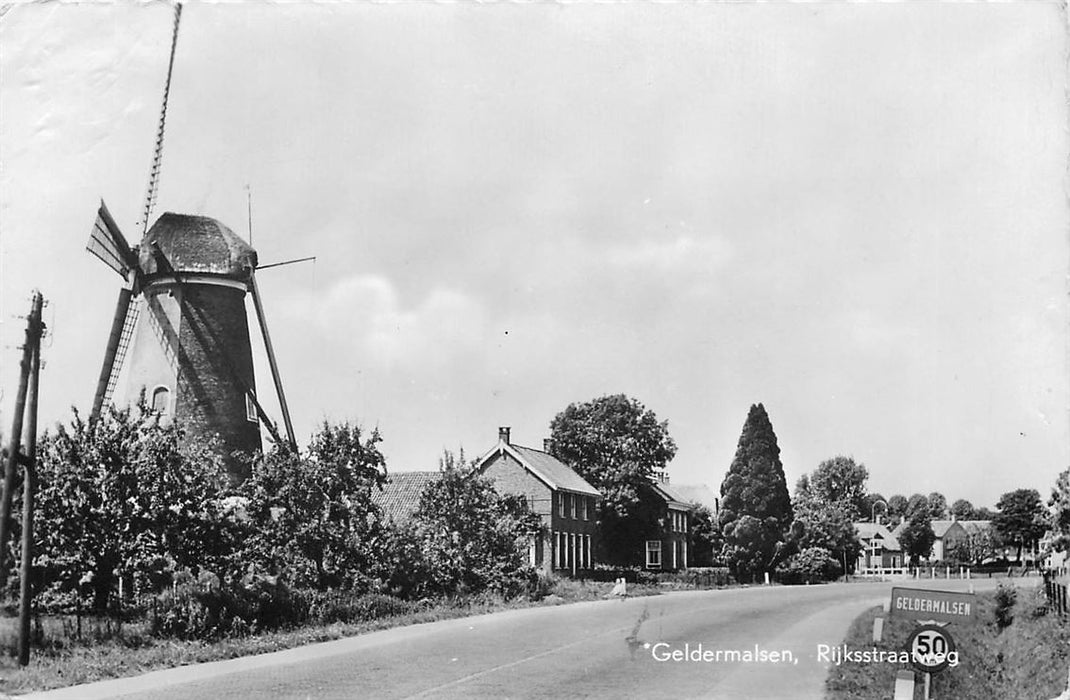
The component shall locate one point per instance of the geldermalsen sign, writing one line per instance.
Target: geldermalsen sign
(941, 606)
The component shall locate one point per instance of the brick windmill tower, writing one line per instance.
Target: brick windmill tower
(182, 321)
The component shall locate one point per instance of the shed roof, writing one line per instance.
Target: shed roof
(400, 495)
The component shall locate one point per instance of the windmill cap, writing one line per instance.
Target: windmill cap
(195, 244)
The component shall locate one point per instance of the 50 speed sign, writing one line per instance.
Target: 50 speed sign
(931, 648)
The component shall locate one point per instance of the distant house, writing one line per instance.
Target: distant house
(949, 535)
(880, 548)
(559, 496)
(400, 495)
(666, 550)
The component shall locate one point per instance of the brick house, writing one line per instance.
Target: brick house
(563, 500)
(666, 550)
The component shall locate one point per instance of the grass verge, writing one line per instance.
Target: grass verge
(1028, 660)
(61, 665)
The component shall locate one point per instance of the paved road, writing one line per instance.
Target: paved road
(588, 650)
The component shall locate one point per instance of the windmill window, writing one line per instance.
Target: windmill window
(161, 400)
(250, 409)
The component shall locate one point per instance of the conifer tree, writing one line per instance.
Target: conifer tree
(756, 512)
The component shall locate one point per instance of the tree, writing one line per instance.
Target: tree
(756, 510)
(706, 540)
(897, 508)
(123, 496)
(1021, 519)
(472, 539)
(937, 506)
(917, 537)
(979, 544)
(962, 509)
(617, 445)
(842, 481)
(918, 502)
(1060, 504)
(827, 504)
(312, 519)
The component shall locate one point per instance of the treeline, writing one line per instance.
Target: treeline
(812, 536)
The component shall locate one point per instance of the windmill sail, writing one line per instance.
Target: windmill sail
(122, 333)
(255, 293)
(107, 243)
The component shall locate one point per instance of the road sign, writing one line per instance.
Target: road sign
(939, 606)
(931, 648)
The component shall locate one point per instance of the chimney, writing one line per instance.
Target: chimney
(547, 443)
(503, 434)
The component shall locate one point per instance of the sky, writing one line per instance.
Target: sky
(855, 214)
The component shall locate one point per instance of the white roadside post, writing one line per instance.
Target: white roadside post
(878, 629)
(904, 685)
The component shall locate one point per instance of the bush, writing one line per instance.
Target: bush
(1006, 597)
(193, 612)
(339, 606)
(813, 564)
(542, 584)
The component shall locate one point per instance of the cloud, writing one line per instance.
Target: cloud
(368, 312)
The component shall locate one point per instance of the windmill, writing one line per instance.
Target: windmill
(181, 318)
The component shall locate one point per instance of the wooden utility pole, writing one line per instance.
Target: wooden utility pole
(34, 329)
(25, 413)
(29, 479)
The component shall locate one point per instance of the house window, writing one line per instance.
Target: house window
(250, 409)
(561, 504)
(572, 506)
(161, 400)
(586, 508)
(562, 551)
(653, 554)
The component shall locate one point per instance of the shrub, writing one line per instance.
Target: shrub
(1006, 597)
(193, 612)
(542, 584)
(339, 606)
(808, 566)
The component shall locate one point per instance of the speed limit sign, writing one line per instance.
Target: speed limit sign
(931, 648)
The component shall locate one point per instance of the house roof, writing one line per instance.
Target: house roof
(554, 472)
(400, 495)
(546, 468)
(940, 527)
(868, 531)
(672, 495)
(975, 526)
(701, 494)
